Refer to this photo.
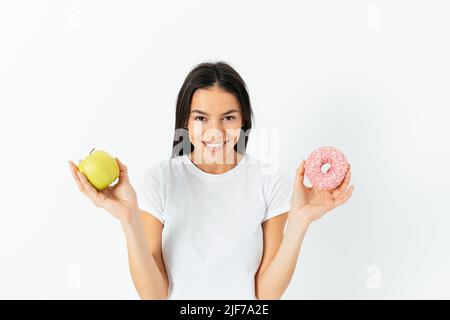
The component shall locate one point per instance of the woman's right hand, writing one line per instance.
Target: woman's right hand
(120, 200)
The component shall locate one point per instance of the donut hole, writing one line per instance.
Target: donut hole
(325, 167)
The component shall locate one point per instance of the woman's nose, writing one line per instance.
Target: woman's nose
(214, 125)
(213, 133)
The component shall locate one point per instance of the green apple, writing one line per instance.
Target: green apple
(100, 168)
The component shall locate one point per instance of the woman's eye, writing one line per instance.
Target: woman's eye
(201, 118)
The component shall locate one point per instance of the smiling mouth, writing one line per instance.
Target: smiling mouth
(214, 146)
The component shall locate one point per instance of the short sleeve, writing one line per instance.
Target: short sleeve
(278, 192)
(149, 192)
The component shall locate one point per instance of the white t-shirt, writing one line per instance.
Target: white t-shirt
(212, 238)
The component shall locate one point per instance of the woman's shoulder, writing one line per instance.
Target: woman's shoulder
(275, 183)
(162, 166)
(268, 169)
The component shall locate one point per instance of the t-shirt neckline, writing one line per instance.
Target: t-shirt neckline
(213, 176)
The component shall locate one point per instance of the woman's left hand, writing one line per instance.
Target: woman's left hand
(312, 203)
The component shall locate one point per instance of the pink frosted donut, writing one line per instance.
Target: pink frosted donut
(334, 176)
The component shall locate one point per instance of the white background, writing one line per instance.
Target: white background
(369, 77)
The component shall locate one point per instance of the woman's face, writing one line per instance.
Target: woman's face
(214, 125)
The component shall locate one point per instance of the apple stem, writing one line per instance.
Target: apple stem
(92, 150)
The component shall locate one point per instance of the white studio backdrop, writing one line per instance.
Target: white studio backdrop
(369, 77)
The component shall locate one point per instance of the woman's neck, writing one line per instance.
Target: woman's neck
(216, 168)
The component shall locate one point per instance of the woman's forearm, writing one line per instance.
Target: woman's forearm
(147, 277)
(272, 282)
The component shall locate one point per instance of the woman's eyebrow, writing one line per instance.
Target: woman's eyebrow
(206, 114)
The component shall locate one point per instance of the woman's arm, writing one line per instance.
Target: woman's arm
(307, 205)
(273, 281)
(144, 257)
(142, 231)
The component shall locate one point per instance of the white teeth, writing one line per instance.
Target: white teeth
(214, 145)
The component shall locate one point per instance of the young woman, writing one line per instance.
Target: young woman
(209, 222)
